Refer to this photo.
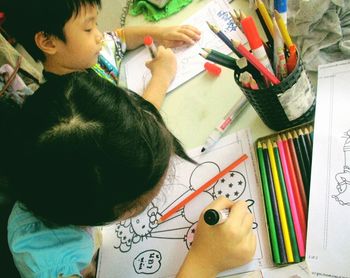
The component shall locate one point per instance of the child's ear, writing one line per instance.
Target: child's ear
(46, 43)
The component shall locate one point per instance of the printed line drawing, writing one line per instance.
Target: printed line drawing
(343, 178)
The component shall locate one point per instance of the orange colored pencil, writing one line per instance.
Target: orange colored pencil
(203, 187)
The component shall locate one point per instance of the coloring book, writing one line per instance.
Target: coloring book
(142, 247)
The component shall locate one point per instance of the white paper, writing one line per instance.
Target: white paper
(298, 270)
(140, 247)
(189, 62)
(328, 244)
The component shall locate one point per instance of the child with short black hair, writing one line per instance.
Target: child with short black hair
(84, 153)
(63, 34)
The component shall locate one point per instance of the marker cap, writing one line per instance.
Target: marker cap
(212, 68)
(251, 32)
(211, 217)
(148, 40)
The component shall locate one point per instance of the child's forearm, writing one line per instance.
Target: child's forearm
(134, 35)
(156, 90)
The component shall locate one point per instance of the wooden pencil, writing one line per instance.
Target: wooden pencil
(293, 239)
(304, 151)
(280, 203)
(308, 143)
(293, 206)
(274, 206)
(268, 206)
(296, 194)
(297, 171)
(303, 170)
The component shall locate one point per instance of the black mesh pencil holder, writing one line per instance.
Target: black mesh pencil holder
(290, 103)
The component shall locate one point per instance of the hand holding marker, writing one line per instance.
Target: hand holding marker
(148, 41)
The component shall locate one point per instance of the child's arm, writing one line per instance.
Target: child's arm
(172, 36)
(163, 69)
(223, 246)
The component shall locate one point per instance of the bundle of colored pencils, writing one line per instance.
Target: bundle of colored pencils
(285, 169)
(267, 62)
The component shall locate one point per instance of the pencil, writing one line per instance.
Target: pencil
(203, 187)
(268, 207)
(274, 205)
(311, 130)
(265, 15)
(308, 143)
(295, 189)
(304, 175)
(297, 171)
(220, 55)
(264, 26)
(225, 39)
(289, 217)
(304, 151)
(255, 62)
(219, 61)
(280, 203)
(295, 215)
(283, 29)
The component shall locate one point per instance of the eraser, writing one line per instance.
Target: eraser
(148, 40)
(212, 68)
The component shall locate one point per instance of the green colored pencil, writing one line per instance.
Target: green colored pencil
(268, 207)
(290, 224)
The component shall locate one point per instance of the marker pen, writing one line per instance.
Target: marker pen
(214, 217)
(255, 42)
(225, 123)
(281, 6)
(148, 41)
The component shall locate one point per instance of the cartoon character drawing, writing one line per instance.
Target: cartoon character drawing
(343, 178)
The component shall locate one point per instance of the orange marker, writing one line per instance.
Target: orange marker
(148, 41)
(292, 59)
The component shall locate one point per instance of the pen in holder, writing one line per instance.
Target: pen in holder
(287, 104)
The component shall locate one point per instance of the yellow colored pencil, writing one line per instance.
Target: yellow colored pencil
(283, 29)
(281, 208)
(265, 15)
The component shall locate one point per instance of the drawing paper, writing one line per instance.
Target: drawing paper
(142, 247)
(189, 62)
(328, 244)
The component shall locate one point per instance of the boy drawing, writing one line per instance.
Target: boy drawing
(64, 36)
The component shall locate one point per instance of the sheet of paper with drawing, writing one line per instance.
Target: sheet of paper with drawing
(142, 247)
(328, 244)
(189, 63)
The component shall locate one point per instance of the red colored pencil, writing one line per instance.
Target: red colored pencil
(255, 62)
(299, 178)
(203, 187)
(296, 192)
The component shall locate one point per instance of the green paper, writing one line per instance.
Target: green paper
(153, 13)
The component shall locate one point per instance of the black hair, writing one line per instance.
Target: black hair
(83, 147)
(25, 18)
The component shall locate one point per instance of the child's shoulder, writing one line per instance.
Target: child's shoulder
(36, 247)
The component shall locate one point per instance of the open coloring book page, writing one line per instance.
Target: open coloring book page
(142, 247)
(328, 244)
(189, 62)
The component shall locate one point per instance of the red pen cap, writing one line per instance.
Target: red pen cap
(148, 40)
(251, 32)
(212, 68)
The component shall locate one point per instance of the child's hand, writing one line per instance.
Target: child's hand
(175, 36)
(223, 246)
(163, 65)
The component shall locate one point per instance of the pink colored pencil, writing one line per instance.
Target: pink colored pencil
(255, 62)
(293, 207)
(295, 188)
(203, 187)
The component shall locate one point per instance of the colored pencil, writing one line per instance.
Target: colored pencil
(289, 217)
(280, 203)
(297, 171)
(203, 187)
(264, 26)
(255, 62)
(311, 130)
(225, 39)
(221, 62)
(265, 15)
(304, 151)
(308, 143)
(295, 188)
(283, 29)
(268, 207)
(274, 206)
(303, 170)
(293, 207)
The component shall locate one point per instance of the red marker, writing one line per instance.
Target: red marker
(212, 68)
(148, 41)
